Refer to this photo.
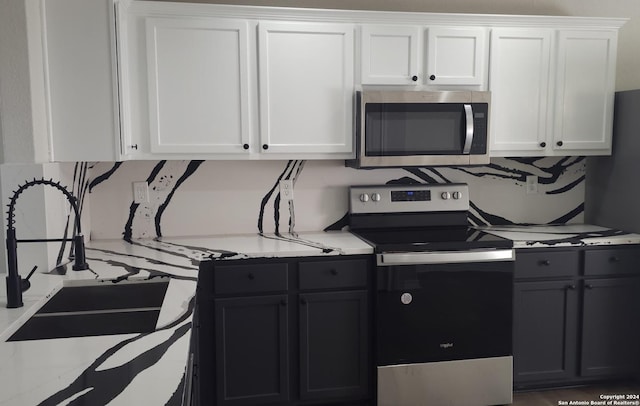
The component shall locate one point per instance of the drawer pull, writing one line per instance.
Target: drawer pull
(251, 276)
(333, 272)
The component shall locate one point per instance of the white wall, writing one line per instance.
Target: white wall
(22, 101)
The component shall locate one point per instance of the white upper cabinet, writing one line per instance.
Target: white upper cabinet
(80, 79)
(552, 91)
(585, 86)
(199, 86)
(197, 76)
(424, 55)
(211, 81)
(306, 87)
(390, 55)
(457, 56)
(519, 84)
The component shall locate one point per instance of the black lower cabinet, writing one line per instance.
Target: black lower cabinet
(334, 362)
(251, 348)
(545, 322)
(574, 313)
(610, 331)
(286, 332)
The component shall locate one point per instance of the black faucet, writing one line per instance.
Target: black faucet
(16, 284)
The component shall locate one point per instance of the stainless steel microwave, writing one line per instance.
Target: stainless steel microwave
(421, 128)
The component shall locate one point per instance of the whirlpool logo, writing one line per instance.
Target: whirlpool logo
(446, 345)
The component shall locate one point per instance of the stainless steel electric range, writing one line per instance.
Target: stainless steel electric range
(443, 309)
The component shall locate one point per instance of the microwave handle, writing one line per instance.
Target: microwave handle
(468, 111)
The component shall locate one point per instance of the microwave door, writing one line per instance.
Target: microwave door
(469, 133)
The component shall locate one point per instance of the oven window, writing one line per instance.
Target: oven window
(448, 312)
(414, 129)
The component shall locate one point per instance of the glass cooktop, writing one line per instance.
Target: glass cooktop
(431, 239)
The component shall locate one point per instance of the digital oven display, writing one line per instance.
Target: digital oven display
(410, 195)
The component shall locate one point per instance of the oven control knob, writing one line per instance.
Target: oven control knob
(376, 197)
(445, 195)
(364, 198)
(406, 298)
(456, 195)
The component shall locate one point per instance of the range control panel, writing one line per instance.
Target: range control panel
(408, 198)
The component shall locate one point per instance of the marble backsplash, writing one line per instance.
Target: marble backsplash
(236, 197)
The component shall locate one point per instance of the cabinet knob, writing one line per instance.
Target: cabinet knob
(265, 146)
(570, 287)
(245, 146)
(545, 262)
(559, 143)
(432, 77)
(614, 259)
(414, 78)
(134, 146)
(333, 272)
(251, 276)
(588, 286)
(543, 144)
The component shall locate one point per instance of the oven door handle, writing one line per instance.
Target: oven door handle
(445, 257)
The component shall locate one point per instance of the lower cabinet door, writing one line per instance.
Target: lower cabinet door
(544, 330)
(610, 331)
(334, 346)
(251, 350)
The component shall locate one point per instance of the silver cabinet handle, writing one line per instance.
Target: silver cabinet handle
(468, 112)
(444, 257)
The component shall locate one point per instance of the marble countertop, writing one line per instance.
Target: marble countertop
(569, 235)
(128, 369)
(149, 368)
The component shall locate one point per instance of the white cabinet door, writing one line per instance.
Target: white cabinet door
(519, 84)
(584, 92)
(82, 98)
(306, 87)
(198, 85)
(390, 55)
(456, 56)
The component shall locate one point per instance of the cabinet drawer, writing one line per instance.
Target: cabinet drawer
(333, 274)
(230, 279)
(545, 264)
(612, 261)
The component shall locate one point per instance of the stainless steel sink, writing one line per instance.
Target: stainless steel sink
(100, 308)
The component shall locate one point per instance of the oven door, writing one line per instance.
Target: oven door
(444, 328)
(444, 306)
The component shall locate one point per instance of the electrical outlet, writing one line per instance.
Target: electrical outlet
(286, 189)
(140, 192)
(532, 185)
